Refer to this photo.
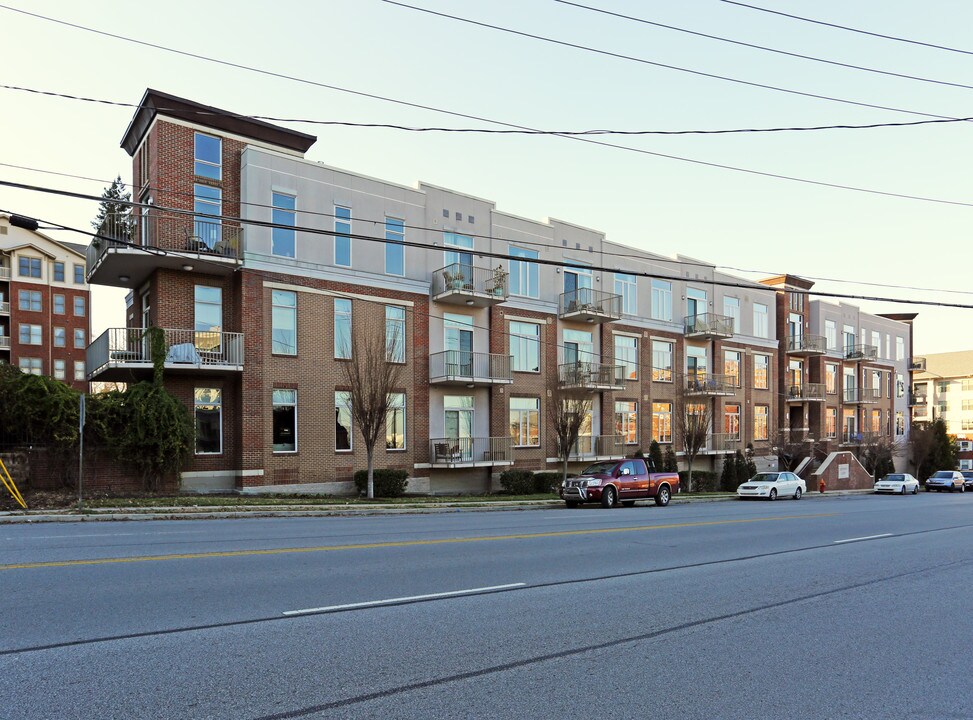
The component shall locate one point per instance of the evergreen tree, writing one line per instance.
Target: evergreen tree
(741, 470)
(669, 463)
(655, 455)
(751, 465)
(114, 216)
(729, 476)
(942, 455)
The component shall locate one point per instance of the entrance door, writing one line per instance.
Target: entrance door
(146, 323)
(695, 305)
(577, 288)
(459, 426)
(458, 343)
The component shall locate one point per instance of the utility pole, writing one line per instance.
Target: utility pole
(80, 449)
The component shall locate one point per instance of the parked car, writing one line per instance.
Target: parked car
(617, 481)
(898, 483)
(967, 479)
(771, 485)
(946, 480)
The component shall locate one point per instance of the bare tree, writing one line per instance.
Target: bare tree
(922, 439)
(372, 377)
(566, 411)
(791, 448)
(877, 454)
(693, 419)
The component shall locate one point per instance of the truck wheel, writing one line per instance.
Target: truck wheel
(608, 497)
(571, 503)
(662, 497)
(628, 503)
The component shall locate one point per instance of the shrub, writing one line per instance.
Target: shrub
(655, 455)
(669, 463)
(546, 482)
(703, 480)
(517, 482)
(388, 483)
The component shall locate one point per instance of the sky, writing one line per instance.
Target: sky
(750, 225)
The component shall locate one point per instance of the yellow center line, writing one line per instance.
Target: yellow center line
(398, 544)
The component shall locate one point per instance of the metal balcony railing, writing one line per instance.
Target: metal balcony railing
(918, 398)
(917, 364)
(861, 395)
(4, 308)
(708, 325)
(599, 447)
(807, 345)
(591, 376)
(805, 391)
(589, 305)
(4, 272)
(5, 341)
(701, 383)
(470, 451)
(856, 437)
(861, 352)
(463, 366)
(722, 442)
(131, 348)
(470, 285)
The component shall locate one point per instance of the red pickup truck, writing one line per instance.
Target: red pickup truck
(622, 481)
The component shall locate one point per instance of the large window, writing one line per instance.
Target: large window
(208, 231)
(343, 435)
(29, 300)
(395, 422)
(59, 370)
(395, 333)
(662, 422)
(523, 274)
(661, 361)
(627, 287)
(761, 426)
(60, 337)
(79, 274)
(899, 348)
(33, 366)
(848, 338)
(731, 308)
(58, 304)
(285, 420)
(208, 406)
(761, 372)
(662, 300)
(342, 328)
(208, 316)
(760, 323)
(899, 423)
(29, 267)
(79, 343)
(731, 367)
(525, 429)
(831, 378)
(284, 323)
(627, 355)
(342, 236)
(831, 422)
(831, 334)
(627, 421)
(525, 346)
(284, 213)
(208, 157)
(394, 249)
(79, 369)
(731, 421)
(79, 305)
(30, 334)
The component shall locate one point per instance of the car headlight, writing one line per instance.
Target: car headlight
(593, 482)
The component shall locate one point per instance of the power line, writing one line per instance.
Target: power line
(850, 29)
(493, 131)
(480, 253)
(754, 46)
(602, 143)
(654, 63)
(534, 243)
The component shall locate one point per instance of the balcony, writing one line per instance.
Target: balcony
(589, 305)
(917, 399)
(119, 354)
(470, 452)
(861, 352)
(4, 342)
(853, 437)
(861, 396)
(4, 272)
(806, 392)
(590, 448)
(472, 369)
(721, 443)
(917, 365)
(591, 376)
(708, 326)
(703, 384)
(807, 345)
(4, 308)
(126, 252)
(461, 284)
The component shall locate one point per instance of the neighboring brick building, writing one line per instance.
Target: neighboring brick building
(258, 319)
(44, 304)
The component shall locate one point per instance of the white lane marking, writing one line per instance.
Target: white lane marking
(389, 601)
(868, 537)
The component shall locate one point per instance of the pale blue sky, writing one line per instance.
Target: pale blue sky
(731, 219)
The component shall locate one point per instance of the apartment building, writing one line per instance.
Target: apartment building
(265, 270)
(942, 387)
(44, 304)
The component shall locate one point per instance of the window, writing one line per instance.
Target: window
(31, 365)
(342, 328)
(876, 427)
(877, 341)
(343, 435)
(731, 367)
(284, 212)
(29, 300)
(625, 285)
(285, 420)
(29, 267)
(79, 369)
(797, 301)
(525, 346)
(731, 308)
(394, 249)
(395, 422)
(283, 330)
(662, 422)
(967, 405)
(942, 386)
(661, 361)
(761, 372)
(831, 422)
(662, 300)
(79, 306)
(967, 385)
(627, 355)
(899, 348)
(395, 333)
(831, 378)
(760, 322)
(59, 272)
(30, 334)
(208, 406)
(58, 369)
(79, 274)
(848, 338)
(831, 334)
(761, 422)
(208, 231)
(59, 305)
(60, 337)
(731, 421)
(207, 314)
(342, 233)
(627, 422)
(523, 273)
(208, 157)
(525, 429)
(79, 342)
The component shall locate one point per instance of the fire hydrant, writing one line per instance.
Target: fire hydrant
(821, 486)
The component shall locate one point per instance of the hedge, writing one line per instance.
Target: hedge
(388, 483)
(703, 480)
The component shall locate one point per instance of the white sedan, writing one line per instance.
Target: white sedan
(771, 485)
(898, 483)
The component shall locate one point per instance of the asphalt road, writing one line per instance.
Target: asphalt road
(850, 607)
